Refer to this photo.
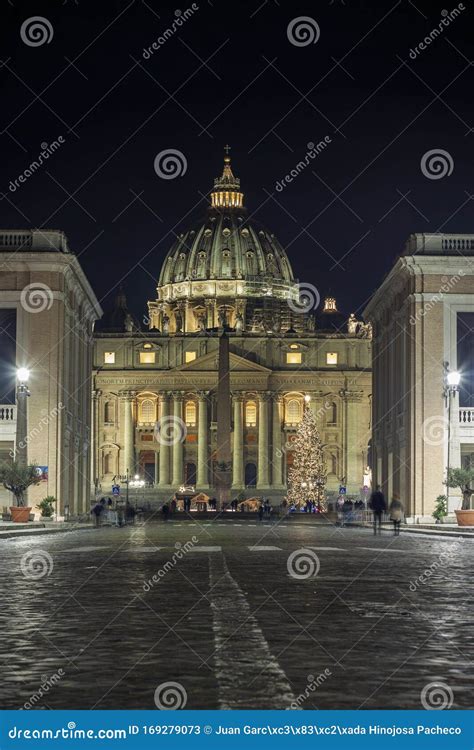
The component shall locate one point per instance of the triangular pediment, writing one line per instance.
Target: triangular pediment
(209, 362)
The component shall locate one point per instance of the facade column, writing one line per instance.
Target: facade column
(95, 468)
(178, 434)
(164, 445)
(238, 479)
(157, 468)
(203, 442)
(128, 398)
(353, 443)
(277, 443)
(263, 468)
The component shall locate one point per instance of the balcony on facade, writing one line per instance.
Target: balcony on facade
(7, 423)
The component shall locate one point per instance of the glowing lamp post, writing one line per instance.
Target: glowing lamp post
(22, 393)
(452, 378)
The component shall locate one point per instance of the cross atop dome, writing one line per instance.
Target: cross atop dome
(226, 193)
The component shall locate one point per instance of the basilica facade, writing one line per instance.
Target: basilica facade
(155, 390)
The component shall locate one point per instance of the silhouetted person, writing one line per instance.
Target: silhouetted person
(165, 511)
(378, 506)
(396, 514)
(260, 512)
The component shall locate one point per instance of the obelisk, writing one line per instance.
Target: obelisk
(223, 465)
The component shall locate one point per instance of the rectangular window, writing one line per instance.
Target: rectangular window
(293, 358)
(147, 358)
(109, 358)
(189, 356)
(331, 358)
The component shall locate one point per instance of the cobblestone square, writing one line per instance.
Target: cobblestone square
(236, 615)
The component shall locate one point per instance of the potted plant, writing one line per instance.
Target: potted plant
(463, 479)
(46, 506)
(441, 508)
(17, 479)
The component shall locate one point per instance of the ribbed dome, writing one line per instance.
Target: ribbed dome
(225, 246)
(226, 268)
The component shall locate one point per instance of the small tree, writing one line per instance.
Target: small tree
(17, 479)
(440, 510)
(46, 506)
(464, 480)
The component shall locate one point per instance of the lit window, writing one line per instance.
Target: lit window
(147, 410)
(147, 358)
(190, 413)
(293, 358)
(293, 411)
(294, 346)
(331, 358)
(109, 358)
(189, 356)
(147, 346)
(251, 414)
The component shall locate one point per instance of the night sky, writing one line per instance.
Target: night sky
(230, 74)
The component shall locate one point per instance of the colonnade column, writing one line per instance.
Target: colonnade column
(96, 470)
(203, 449)
(353, 441)
(238, 481)
(178, 436)
(128, 398)
(164, 444)
(263, 468)
(277, 445)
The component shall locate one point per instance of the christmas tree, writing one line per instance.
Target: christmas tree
(307, 476)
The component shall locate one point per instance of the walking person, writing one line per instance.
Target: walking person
(165, 511)
(396, 514)
(97, 511)
(260, 512)
(340, 510)
(378, 506)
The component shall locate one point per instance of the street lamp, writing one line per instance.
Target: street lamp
(452, 378)
(22, 393)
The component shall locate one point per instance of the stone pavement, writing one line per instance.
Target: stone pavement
(237, 615)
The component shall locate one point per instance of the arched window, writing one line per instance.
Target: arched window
(250, 414)
(190, 413)
(293, 411)
(109, 412)
(108, 463)
(147, 410)
(332, 413)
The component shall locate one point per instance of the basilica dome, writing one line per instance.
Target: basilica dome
(225, 265)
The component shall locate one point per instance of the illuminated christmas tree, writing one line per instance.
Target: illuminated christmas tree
(307, 476)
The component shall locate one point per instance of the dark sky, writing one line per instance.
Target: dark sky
(230, 74)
